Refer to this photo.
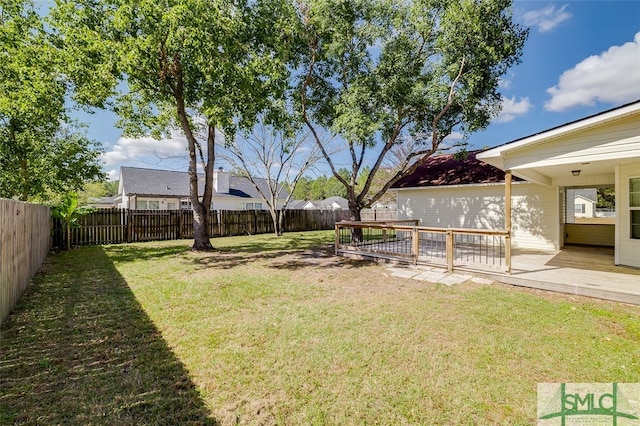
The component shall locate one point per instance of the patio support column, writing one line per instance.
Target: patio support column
(507, 219)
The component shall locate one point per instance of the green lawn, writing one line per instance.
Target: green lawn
(278, 331)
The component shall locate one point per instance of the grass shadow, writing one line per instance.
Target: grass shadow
(144, 251)
(297, 250)
(79, 349)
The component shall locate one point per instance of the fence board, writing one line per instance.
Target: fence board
(377, 215)
(25, 239)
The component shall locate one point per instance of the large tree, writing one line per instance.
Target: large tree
(41, 150)
(385, 75)
(195, 65)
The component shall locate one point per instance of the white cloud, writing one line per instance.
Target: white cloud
(139, 149)
(454, 136)
(504, 83)
(512, 108)
(611, 77)
(546, 19)
(113, 175)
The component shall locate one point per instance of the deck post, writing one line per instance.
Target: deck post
(337, 237)
(507, 220)
(415, 247)
(449, 249)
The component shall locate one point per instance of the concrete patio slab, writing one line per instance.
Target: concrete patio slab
(455, 279)
(431, 276)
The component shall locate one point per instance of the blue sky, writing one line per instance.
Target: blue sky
(581, 58)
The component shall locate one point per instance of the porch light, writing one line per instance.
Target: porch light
(575, 172)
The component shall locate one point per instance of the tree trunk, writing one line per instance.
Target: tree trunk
(281, 221)
(354, 216)
(274, 220)
(68, 236)
(201, 240)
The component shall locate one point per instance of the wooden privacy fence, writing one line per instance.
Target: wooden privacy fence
(113, 226)
(25, 239)
(367, 215)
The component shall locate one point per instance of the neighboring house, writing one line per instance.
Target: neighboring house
(331, 203)
(150, 189)
(584, 207)
(102, 202)
(311, 205)
(296, 204)
(602, 150)
(334, 203)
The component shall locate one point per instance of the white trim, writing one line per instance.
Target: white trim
(561, 131)
(616, 247)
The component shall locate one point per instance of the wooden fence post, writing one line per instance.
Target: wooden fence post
(129, 226)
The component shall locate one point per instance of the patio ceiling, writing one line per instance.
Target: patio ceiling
(562, 171)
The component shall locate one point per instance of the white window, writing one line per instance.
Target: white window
(248, 206)
(257, 206)
(141, 205)
(634, 207)
(580, 208)
(154, 205)
(171, 206)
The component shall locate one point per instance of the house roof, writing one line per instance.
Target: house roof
(445, 169)
(590, 194)
(584, 198)
(296, 204)
(168, 183)
(102, 200)
(343, 203)
(564, 129)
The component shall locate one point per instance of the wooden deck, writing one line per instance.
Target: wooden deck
(584, 271)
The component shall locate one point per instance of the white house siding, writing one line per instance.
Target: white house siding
(616, 140)
(535, 210)
(163, 203)
(218, 203)
(224, 203)
(627, 249)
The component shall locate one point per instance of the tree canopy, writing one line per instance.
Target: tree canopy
(196, 65)
(41, 150)
(388, 76)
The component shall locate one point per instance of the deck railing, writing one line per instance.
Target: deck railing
(403, 240)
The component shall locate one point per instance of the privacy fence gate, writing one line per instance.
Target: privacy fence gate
(113, 226)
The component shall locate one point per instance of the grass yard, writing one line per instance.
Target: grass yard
(278, 331)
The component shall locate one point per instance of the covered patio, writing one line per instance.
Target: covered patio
(601, 151)
(579, 270)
